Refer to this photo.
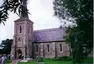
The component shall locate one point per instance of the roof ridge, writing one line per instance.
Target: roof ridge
(48, 29)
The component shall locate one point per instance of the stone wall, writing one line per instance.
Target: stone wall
(51, 49)
(65, 49)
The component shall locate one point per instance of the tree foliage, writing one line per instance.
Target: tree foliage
(6, 46)
(15, 6)
(80, 37)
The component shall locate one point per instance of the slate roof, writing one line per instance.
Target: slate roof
(49, 35)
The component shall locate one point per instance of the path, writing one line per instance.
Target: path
(15, 61)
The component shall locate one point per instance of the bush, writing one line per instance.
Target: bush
(63, 58)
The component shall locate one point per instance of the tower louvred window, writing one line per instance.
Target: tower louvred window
(20, 29)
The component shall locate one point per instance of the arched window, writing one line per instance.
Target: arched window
(36, 48)
(60, 47)
(19, 39)
(20, 29)
(48, 47)
(29, 29)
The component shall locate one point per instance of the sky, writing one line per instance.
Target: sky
(42, 14)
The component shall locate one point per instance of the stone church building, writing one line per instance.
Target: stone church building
(47, 43)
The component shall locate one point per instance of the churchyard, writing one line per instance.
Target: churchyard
(75, 40)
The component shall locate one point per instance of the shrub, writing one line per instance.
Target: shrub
(63, 58)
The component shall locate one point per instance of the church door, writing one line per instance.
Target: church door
(19, 54)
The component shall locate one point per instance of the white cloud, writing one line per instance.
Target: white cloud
(42, 14)
(2, 32)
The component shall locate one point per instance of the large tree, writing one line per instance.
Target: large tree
(80, 36)
(6, 46)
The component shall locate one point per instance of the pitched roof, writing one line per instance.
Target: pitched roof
(48, 35)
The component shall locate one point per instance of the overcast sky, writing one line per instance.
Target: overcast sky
(41, 14)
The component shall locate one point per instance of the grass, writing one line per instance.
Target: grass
(48, 61)
(8, 62)
(52, 61)
(88, 61)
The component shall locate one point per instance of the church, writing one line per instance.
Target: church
(47, 43)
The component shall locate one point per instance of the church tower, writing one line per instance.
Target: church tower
(23, 36)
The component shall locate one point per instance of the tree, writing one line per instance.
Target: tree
(17, 6)
(6, 46)
(80, 37)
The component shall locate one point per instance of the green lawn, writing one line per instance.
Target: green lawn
(89, 61)
(51, 61)
(8, 62)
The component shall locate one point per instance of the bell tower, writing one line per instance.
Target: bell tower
(23, 35)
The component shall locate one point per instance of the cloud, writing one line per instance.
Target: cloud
(42, 14)
(2, 32)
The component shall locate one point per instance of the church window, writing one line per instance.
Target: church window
(48, 47)
(60, 47)
(19, 39)
(36, 48)
(20, 29)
